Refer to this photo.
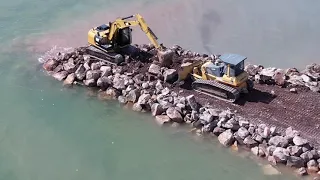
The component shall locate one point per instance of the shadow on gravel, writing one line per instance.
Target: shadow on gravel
(256, 96)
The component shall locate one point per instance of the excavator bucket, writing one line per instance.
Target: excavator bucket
(165, 57)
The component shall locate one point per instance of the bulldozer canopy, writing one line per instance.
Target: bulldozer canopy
(232, 59)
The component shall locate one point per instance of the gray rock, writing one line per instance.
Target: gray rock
(226, 138)
(252, 129)
(249, 142)
(294, 161)
(80, 72)
(145, 85)
(93, 74)
(217, 130)
(273, 130)
(162, 119)
(50, 65)
(306, 156)
(90, 82)
(244, 123)
(69, 80)
(214, 112)
(278, 141)
(69, 67)
(272, 160)
(257, 151)
(252, 69)
(156, 109)
(312, 166)
(209, 127)
(106, 71)
(293, 90)
(305, 78)
(315, 154)
(87, 66)
(154, 69)
(95, 66)
(279, 77)
(192, 102)
(58, 68)
(291, 133)
(243, 132)
(122, 99)
(137, 107)
(159, 86)
(118, 83)
(104, 82)
(299, 141)
(257, 137)
(170, 75)
(206, 117)
(281, 155)
(294, 150)
(60, 75)
(302, 171)
(165, 91)
(263, 131)
(133, 95)
(194, 116)
(143, 99)
(270, 150)
(174, 115)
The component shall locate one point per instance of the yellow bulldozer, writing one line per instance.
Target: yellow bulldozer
(107, 41)
(223, 79)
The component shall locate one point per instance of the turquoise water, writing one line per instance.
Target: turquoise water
(50, 132)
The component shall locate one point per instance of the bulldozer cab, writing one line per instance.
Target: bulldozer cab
(234, 64)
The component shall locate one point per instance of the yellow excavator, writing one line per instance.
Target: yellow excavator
(107, 41)
(223, 79)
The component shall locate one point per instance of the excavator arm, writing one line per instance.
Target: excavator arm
(121, 23)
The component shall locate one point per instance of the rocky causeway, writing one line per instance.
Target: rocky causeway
(279, 120)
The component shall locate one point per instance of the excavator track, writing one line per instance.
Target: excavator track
(102, 55)
(216, 90)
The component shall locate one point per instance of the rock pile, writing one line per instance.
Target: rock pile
(291, 78)
(143, 85)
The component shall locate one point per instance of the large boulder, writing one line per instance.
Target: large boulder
(170, 75)
(143, 99)
(106, 71)
(295, 150)
(104, 82)
(90, 82)
(252, 70)
(174, 115)
(291, 133)
(280, 77)
(156, 109)
(226, 138)
(281, 155)
(294, 161)
(133, 95)
(299, 141)
(60, 75)
(243, 132)
(50, 65)
(118, 83)
(69, 80)
(249, 142)
(192, 102)
(162, 119)
(93, 74)
(278, 141)
(69, 66)
(312, 166)
(154, 69)
(80, 72)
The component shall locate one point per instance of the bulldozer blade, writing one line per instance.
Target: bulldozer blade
(165, 57)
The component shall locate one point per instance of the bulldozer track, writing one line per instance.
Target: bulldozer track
(216, 90)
